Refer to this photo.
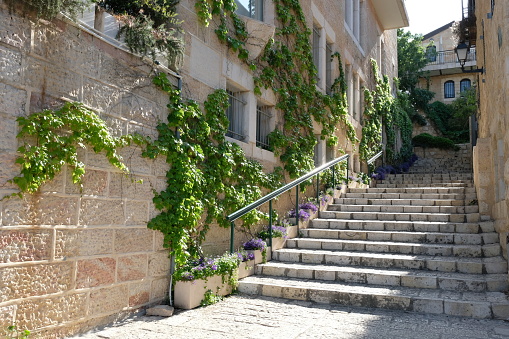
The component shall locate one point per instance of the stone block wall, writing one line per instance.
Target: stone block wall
(446, 160)
(72, 260)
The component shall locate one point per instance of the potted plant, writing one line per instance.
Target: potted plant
(246, 266)
(204, 279)
(259, 249)
(279, 235)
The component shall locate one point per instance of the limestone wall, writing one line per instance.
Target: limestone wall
(439, 160)
(69, 260)
(491, 155)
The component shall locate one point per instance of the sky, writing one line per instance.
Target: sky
(428, 15)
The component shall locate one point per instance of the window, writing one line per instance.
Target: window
(235, 114)
(449, 91)
(250, 8)
(263, 117)
(353, 17)
(328, 68)
(431, 53)
(316, 51)
(465, 84)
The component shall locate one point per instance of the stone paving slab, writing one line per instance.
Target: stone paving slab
(243, 316)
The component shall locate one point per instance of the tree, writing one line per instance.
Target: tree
(411, 60)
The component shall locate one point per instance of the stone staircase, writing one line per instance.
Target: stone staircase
(413, 243)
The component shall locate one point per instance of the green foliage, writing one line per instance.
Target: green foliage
(12, 332)
(411, 60)
(50, 141)
(48, 9)
(208, 176)
(149, 26)
(209, 298)
(286, 66)
(452, 120)
(382, 110)
(232, 30)
(429, 141)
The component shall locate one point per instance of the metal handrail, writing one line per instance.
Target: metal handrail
(376, 156)
(269, 197)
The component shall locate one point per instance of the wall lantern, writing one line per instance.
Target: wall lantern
(462, 52)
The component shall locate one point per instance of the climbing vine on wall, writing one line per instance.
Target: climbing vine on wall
(383, 111)
(208, 175)
(51, 140)
(286, 66)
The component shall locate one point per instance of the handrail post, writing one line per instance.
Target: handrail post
(297, 207)
(318, 189)
(347, 170)
(232, 233)
(333, 178)
(270, 223)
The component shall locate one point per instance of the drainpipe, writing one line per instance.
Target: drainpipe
(172, 258)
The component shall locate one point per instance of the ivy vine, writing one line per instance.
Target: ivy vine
(286, 66)
(51, 140)
(383, 110)
(208, 175)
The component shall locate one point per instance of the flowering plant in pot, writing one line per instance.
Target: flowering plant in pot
(279, 235)
(246, 266)
(205, 278)
(256, 245)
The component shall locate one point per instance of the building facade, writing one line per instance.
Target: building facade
(491, 153)
(73, 260)
(446, 78)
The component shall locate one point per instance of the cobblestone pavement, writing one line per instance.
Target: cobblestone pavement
(242, 316)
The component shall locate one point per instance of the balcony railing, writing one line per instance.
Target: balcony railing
(448, 57)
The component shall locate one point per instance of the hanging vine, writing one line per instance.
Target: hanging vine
(286, 66)
(208, 175)
(51, 140)
(384, 113)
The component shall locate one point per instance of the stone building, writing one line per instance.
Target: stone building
(491, 153)
(72, 260)
(446, 78)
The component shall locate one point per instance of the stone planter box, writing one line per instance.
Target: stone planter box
(278, 243)
(246, 269)
(189, 294)
(258, 255)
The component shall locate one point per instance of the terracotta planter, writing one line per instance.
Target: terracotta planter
(246, 269)
(189, 294)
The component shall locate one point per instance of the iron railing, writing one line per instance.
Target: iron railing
(269, 197)
(449, 56)
(372, 160)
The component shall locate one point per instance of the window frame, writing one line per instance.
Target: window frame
(235, 113)
(263, 112)
(449, 93)
(465, 81)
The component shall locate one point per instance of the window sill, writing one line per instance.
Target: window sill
(354, 39)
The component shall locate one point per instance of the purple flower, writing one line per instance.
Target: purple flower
(214, 267)
(308, 206)
(303, 215)
(254, 244)
(250, 256)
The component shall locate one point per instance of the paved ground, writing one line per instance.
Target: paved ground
(243, 316)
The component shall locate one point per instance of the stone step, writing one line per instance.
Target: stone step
(469, 251)
(447, 175)
(460, 282)
(408, 202)
(415, 190)
(402, 236)
(408, 226)
(468, 198)
(444, 217)
(491, 265)
(421, 185)
(468, 304)
(403, 208)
